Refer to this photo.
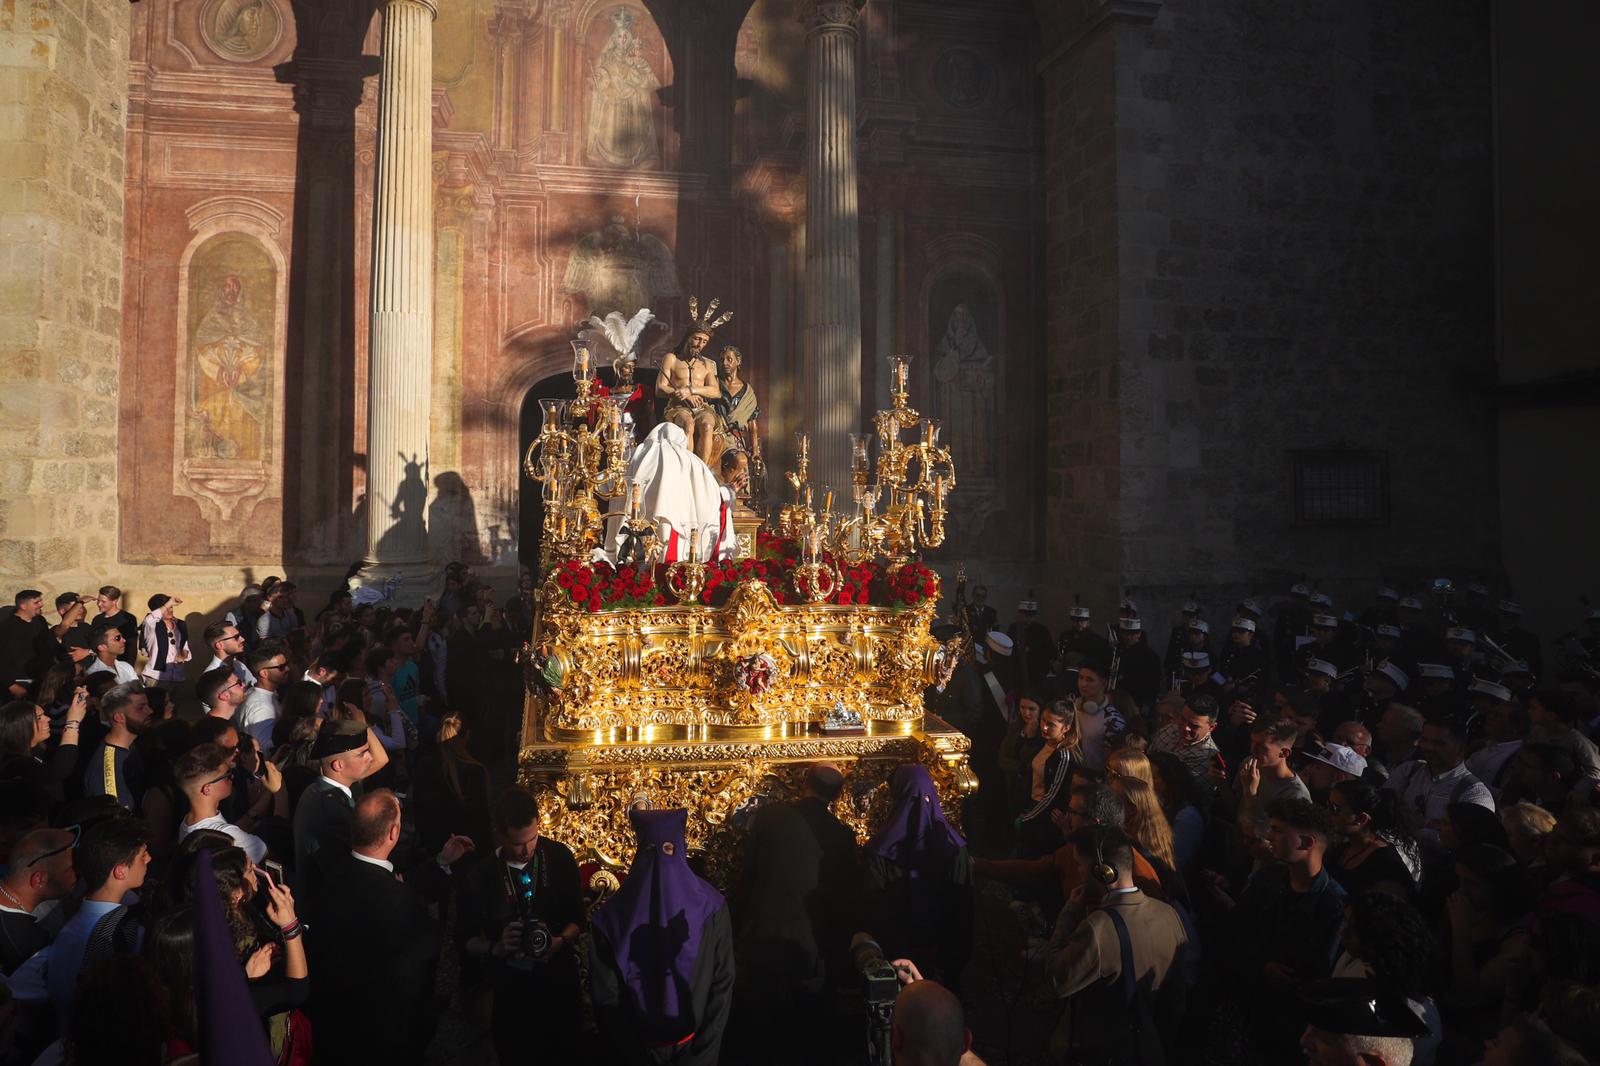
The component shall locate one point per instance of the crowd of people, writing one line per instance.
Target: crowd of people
(1344, 837)
(1367, 838)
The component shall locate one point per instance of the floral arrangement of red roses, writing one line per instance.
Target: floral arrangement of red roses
(599, 586)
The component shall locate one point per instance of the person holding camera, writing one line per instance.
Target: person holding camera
(521, 914)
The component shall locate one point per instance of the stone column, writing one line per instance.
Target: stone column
(400, 357)
(833, 238)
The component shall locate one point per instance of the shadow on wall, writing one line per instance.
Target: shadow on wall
(453, 521)
(407, 511)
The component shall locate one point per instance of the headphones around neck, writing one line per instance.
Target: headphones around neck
(1103, 871)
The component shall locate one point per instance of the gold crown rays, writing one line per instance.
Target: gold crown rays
(709, 322)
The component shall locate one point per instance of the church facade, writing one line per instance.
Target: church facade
(1193, 289)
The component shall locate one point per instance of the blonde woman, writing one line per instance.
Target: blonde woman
(1128, 773)
(1526, 826)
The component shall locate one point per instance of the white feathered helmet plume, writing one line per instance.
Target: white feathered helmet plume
(618, 334)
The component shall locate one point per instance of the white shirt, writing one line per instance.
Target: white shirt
(253, 845)
(342, 788)
(256, 716)
(122, 670)
(1091, 723)
(1426, 798)
(240, 670)
(385, 863)
(1486, 765)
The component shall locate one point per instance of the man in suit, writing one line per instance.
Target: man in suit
(1114, 1014)
(348, 753)
(377, 946)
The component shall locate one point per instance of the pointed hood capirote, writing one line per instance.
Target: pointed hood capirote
(653, 926)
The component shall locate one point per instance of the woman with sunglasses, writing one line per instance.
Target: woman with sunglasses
(24, 732)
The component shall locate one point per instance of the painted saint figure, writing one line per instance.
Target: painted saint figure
(622, 87)
(740, 411)
(965, 370)
(230, 351)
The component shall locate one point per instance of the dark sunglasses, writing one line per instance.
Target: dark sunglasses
(77, 835)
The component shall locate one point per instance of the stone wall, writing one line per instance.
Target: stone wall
(63, 86)
(1303, 259)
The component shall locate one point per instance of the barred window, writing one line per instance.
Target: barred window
(1340, 486)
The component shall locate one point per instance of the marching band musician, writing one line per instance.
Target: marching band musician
(1079, 641)
(1196, 638)
(1139, 673)
(1032, 641)
(1243, 662)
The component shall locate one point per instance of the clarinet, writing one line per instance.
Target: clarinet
(1116, 657)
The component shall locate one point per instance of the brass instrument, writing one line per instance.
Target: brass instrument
(1497, 658)
(1116, 657)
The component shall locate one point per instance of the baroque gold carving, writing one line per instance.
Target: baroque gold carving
(719, 784)
(642, 667)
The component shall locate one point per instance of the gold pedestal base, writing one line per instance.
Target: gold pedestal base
(585, 787)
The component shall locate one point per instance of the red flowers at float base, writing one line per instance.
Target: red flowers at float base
(601, 587)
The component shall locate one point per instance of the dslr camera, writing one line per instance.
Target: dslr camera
(536, 936)
(536, 939)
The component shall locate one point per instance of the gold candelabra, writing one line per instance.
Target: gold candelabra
(686, 579)
(899, 500)
(575, 462)
(915, 477)
(793, 519)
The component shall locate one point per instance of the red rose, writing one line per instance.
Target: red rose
(594, 602)
(911, 596)
(929, 589)
(660, 600)
(564, 579)
(579, 595)
(846, 596)
(583, 577)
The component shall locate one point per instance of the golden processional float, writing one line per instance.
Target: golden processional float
(713, 684)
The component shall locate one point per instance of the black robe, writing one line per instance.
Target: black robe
(927, 919)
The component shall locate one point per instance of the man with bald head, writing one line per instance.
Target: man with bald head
(40, 871)
(929, 1028)
(378, 948)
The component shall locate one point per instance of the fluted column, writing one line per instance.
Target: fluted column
(833, 238)
(400, 359)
